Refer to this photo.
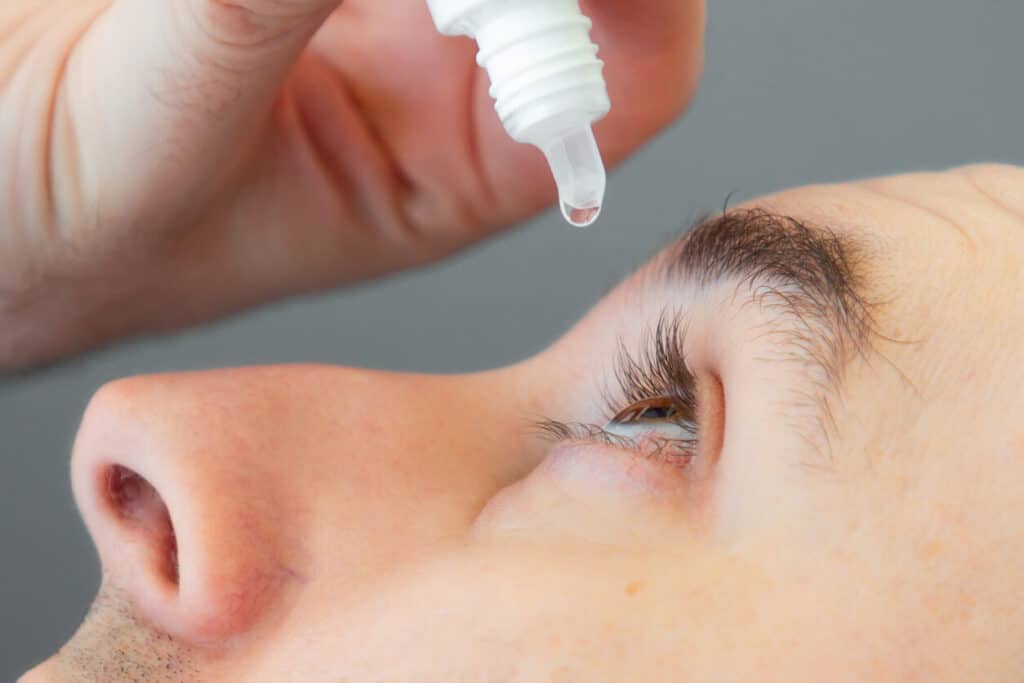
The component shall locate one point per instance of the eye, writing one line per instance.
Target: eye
(664, 419)
(662, 409)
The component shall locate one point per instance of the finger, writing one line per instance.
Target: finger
(647, 24)
(168, 90)
(664, 41)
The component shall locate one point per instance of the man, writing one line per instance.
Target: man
(777, 452)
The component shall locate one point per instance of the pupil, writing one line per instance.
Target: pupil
(657, 413)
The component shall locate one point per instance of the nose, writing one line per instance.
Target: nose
(217, 499)
(194, 535)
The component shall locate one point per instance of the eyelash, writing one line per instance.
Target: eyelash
(658, 370)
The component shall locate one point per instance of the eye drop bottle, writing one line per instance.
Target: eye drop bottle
(547, 83)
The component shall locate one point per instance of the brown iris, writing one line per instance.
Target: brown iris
(660, 409)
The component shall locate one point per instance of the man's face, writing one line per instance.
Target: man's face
(789, 448)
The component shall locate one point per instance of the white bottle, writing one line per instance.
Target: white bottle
(547, 83)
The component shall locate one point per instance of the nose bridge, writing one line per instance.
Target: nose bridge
(413, 458)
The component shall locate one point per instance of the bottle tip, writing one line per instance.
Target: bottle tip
(578, 170)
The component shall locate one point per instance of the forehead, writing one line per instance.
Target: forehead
(945, 272)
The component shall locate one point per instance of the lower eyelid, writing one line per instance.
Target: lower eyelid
(622, 470)
(635, 430)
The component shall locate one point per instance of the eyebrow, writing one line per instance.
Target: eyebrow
(809, 275)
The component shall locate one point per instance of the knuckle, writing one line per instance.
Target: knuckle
(248, 24)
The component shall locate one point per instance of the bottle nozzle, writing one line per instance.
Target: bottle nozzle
(576, 164)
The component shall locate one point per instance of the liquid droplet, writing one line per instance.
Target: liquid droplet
(580, 217)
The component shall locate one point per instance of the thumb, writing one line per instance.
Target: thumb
(168, 91)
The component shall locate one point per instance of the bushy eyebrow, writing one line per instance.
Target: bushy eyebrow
(810, 275)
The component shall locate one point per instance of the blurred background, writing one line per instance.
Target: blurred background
(794, 92)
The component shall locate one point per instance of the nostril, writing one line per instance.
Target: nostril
(138, 505)
(126, 489)
(188, 538)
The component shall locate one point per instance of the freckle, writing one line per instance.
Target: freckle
(633, 588)
(931, 549)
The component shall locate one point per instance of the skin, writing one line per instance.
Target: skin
(330, 524)
(335, 524)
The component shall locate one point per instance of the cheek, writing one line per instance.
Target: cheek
(483, 612)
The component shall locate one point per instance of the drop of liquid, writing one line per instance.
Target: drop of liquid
(580, 217)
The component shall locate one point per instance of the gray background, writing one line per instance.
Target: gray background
(795, 91)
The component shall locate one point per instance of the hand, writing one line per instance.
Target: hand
(167, 162)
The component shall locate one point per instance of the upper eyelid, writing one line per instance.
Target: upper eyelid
(658, 367)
